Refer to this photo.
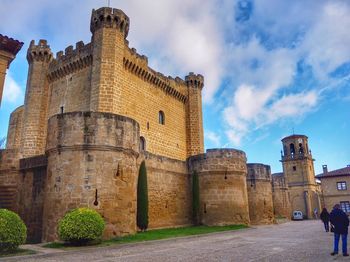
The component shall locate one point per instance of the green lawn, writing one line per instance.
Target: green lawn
(158, 234)
(17, 252)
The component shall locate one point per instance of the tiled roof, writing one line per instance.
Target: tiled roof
(338, 172)
(9, 44)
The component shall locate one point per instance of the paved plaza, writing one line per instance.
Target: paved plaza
(291, 241)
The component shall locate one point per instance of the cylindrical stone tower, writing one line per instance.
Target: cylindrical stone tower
(280, 194)
(260, 194)
(92, 163)
(109, 28)
(222, 186)
(194, 121)
(36, 100)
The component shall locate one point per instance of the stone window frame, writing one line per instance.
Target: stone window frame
(341, 185)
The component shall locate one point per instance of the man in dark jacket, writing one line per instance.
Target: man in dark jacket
(340, 221)
(325, 219)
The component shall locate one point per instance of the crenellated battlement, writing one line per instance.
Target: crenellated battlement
(39, 52)
(194, 80)
(109, 18)
(257, 171)
(138, 65)
(225, 159)
(70, 61)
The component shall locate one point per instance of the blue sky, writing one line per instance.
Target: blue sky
(270, 66)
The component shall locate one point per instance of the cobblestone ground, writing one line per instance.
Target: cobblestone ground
(291, 241)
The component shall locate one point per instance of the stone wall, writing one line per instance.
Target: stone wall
(280, 194)
(331, 194)
(32, 194)
(259, 190)
(92, 163)
(14, 132)
(169, 191)
(222, 186)
(9, 179)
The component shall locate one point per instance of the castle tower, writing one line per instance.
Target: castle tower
(109, 28)
(222, 175)
(259, 190)
(92, 163)
(8, 50)
(298, 169)
(195, 140)
(36, 99)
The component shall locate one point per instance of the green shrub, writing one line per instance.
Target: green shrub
(142, 198)
(195, 198)
(80, 226)
(13, 231)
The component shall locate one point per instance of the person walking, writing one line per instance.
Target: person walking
(340, 221)
(324, 216)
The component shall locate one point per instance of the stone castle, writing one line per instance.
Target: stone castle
(93, 113)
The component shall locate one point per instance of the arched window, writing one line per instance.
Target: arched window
(292, 149)
(301, 149)
(142, 144)
(161, 118)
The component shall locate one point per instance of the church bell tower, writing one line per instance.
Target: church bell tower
(298, 169)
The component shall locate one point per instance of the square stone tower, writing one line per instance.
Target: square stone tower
(298, 169)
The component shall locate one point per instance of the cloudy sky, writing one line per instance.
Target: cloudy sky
(270, 66)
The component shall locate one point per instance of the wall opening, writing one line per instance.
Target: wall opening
(161, 117)
(142, 144)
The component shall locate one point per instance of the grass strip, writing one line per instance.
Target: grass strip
(156, 234)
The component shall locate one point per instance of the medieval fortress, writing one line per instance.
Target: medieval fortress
(93, 113)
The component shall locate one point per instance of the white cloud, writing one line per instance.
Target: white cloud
(263, 71)
(327, 43)
(213, 137)
(12, 91)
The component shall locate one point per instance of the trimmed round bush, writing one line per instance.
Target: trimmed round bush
(80, 226)
(13, 232)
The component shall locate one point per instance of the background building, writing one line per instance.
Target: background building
(335, 188)
(9, 48)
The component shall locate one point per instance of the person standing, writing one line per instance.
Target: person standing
(316, 213)
(340, 221)
(325, 218)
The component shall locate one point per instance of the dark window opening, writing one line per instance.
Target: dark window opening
(341, 185)
(161, 118)
(294, 168)
(301, 149)
(142, 144)
(147, 125)
(292, 149)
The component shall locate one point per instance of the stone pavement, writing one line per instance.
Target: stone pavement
(291, 241)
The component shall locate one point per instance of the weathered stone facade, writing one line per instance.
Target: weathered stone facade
(280, 195)
(260, 194)
(335, 188)
(222, 185)
(91, 115)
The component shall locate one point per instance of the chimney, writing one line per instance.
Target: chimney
(325, 169)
